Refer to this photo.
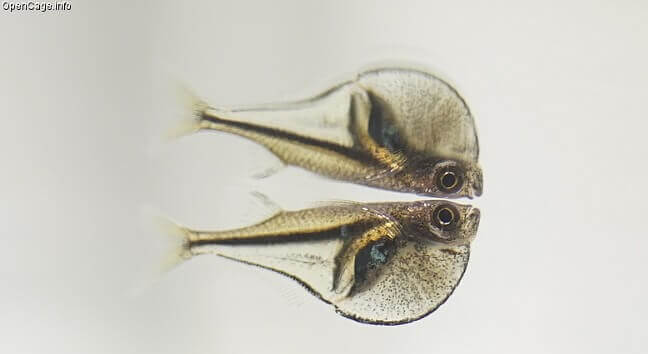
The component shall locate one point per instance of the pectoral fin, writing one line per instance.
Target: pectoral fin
(344, 274)
(360, 114)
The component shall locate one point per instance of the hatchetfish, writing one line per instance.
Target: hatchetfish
(393, 128)
(379, 263)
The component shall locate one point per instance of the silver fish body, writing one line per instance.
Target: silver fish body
(392, 128)
(380, 263)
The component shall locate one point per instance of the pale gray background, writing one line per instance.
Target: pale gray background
(558, 90)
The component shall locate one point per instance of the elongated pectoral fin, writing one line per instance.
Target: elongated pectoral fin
(362, 111)
(344, 275)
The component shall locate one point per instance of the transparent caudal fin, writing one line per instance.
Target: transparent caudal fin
(177, 239)
(163, 245)
(193, 109)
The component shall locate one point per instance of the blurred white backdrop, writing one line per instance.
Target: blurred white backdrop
(558, 91)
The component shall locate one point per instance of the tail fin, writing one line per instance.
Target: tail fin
(194, 108)
(179, 241)
(163, 253)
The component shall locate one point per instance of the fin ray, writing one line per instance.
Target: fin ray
(178, 238)
(194, 107)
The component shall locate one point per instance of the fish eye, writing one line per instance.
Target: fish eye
(449, 179)
(446, 216)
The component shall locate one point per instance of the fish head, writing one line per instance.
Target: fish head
(449, 223)
(448, 179)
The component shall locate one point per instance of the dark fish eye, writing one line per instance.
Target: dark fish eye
(449, 180)
(446, 216)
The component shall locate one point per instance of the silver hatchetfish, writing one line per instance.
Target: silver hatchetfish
(392, 128)
(379, 263)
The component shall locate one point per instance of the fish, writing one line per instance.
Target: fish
(383, 263)
(397, 129)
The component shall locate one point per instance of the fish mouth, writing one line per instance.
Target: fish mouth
(477, 183)
(472, 222)
(474, 185)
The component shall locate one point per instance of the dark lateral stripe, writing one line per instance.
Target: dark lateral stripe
(281, 134)
(320, 235)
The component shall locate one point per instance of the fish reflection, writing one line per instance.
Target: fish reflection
(379, 263)
(397, 129)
